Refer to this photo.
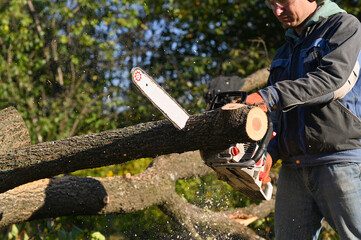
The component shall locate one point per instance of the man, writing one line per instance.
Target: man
(314, 98)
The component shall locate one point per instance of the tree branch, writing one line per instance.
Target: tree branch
(200, 223)
(256, 80)
(13, 131)
(68, 195)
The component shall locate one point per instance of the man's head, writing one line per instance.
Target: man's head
(292, 13)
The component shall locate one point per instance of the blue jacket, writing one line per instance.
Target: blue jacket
(314, 91)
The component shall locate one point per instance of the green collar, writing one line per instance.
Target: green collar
(325, 9)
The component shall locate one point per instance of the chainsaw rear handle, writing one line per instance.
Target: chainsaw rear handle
(242, 98)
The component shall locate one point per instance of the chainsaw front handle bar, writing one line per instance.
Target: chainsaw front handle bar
(264, 141)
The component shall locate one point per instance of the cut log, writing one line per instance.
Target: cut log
(256, 123)
(210, 130)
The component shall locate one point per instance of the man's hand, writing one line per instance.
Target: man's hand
(267, 168)
(256, 99)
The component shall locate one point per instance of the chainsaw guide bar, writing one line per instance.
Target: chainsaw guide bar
(169, 107)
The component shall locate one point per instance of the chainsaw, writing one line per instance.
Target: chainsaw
(241, 165)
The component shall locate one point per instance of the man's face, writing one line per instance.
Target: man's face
(292, 13)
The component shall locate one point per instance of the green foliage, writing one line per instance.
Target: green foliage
(264, 227)
(57, 64)
(199, 40)
(51, 230)
(132, 167)
(209, 193)
(351, 6)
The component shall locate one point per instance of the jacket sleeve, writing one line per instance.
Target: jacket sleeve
(336, 74)
(272, 147)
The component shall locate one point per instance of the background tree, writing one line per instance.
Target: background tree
(57, 62)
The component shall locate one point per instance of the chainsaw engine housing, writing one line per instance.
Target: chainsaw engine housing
(241, 165)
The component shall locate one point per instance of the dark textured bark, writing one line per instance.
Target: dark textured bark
(214, 129)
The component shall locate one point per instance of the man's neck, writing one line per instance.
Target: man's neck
(312, 11)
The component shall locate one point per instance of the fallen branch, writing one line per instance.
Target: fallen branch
(68, 195)
(199, 224)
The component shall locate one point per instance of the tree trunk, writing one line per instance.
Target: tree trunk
(210, 130)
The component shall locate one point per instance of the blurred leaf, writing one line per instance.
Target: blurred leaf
(97, 236)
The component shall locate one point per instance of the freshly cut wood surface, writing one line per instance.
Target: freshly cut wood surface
(256, 123)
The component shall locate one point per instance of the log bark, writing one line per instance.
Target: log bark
(13, 131)
(256, 80)
(214, 130)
